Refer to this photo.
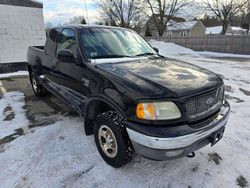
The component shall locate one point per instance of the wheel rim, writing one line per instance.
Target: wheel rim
(34, 83)
(107, 141)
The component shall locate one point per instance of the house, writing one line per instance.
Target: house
(216, 30)
(177, 27)
(150, 30)
(21, 25)
(238, 30)
(185, 29)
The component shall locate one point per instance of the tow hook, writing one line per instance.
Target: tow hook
(191, 155)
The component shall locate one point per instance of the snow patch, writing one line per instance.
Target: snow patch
(171, 49)
(14, 102)
(174, 50)
(14, 74)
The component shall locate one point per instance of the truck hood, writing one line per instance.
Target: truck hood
(164, 77)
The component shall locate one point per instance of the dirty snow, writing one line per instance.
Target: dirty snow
(60, 155)
(14, 74)
(12, 113)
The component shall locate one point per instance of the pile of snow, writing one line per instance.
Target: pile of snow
(175, 51)
(12, 113)
(171, 49)
(14, 74)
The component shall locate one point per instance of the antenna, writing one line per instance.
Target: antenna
(87, 16)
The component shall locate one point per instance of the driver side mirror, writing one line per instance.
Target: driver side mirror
(156, 49)
(66, 56)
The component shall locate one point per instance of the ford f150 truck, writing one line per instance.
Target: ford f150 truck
(132, 99)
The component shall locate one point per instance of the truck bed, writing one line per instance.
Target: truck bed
(35, 55)
(39, 47)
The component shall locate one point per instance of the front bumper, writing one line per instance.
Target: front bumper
(172, 146)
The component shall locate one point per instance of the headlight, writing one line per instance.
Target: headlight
(157, 111)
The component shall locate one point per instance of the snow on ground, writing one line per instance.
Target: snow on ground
(173, 50)
(60, 155)
(13, 74)
(12, 113)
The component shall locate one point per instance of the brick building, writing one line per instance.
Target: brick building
(21, 25)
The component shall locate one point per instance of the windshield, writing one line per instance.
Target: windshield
(113, 43)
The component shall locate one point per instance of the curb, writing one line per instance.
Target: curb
(12, 67)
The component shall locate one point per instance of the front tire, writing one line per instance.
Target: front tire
(112, 140)
(38, 89)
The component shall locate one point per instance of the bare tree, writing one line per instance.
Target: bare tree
(123, 13)
(225, 10)
(83, 21)
(76, 20)
(163, 11)
(246, 22)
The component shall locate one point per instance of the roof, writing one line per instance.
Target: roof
(182, 25)
(174, 18)
(235, 28)
(22, 3)
(211, 22)
(213, 30)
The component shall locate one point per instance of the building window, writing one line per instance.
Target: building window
(169, 34)
(183, 33)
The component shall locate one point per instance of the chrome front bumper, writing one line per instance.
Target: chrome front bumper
(173, 143)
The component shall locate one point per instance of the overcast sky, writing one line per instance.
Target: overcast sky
(60, 11)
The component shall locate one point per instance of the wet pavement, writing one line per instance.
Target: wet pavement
(39, 111)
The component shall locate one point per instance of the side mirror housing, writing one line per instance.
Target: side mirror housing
(156, 49)
(66, 56)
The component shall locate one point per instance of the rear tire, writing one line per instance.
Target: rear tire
(38, 89)
(112, 139)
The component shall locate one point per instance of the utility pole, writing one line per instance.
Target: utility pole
(248, 15)
(87, 16)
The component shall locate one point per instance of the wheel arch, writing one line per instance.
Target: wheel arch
(96, 105)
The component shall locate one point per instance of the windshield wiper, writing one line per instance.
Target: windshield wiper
(110, 56)
(146, 54)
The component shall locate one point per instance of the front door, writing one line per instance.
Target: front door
(68, 76)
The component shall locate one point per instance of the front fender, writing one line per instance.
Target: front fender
(95, 105)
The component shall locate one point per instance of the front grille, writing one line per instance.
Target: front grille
(203, 105)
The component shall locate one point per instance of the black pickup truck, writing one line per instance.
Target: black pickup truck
(132, 99)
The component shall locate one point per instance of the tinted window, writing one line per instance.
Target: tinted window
(68, 41)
